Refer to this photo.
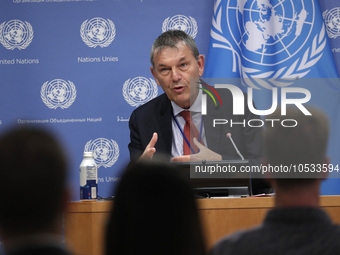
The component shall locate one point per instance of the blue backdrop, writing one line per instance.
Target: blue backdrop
(80, 67)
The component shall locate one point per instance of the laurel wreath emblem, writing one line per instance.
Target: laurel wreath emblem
(91, 146)
(192, 21)
(52, 105)
(329, 15)
(108, 40)
(10, 46)
(280, 78)
(131, 102)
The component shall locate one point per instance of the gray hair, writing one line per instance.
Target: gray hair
(171, 38)
(306, 143)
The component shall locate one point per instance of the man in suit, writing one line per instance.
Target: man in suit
(34, 193)
(156, 128)
(297, 224)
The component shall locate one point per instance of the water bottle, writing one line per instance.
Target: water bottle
(88, 177)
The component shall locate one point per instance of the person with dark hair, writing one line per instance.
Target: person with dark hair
(296, 225)
(154, 212)
(34, 192)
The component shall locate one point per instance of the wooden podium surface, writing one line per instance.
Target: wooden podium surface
(85, 221)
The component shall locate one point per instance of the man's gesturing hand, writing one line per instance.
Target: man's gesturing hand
(150, 148)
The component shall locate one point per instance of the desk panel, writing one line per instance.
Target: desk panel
(85, 221)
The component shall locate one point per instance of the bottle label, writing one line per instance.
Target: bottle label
(93, 192)
(91, 173)
(89, 191)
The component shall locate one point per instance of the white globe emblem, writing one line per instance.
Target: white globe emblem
(105, 152)
(97, 32)
(268, 39)
(270, 32)
(181, 22)
(139, 90)
(58, 93)
(16, 34)
(332, 20)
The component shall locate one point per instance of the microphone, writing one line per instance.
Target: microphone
(228, 135)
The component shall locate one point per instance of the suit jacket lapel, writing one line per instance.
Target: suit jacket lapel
(216, 137)
(165, 124)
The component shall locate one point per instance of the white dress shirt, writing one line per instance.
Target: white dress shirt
(177, 137)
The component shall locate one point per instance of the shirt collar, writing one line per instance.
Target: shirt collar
(195, 107)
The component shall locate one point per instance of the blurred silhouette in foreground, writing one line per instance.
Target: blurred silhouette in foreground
(297, 225)
(33, 192)
(154, 213)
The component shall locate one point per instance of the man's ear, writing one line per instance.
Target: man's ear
(200, 63)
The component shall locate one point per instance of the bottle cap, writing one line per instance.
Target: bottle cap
(88, 154)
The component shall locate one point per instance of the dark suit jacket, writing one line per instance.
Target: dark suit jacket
(156, 116)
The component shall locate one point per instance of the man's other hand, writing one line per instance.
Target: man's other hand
(204, 154)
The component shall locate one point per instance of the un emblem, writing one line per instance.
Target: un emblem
(97, 32)
(16, 34)
(268, 39)
(332, 20)
(58, 93)
(181, 22)
(139, 90)
(105, 152)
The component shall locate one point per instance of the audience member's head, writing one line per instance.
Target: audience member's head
(297, 224)
(305, 142)
(33, 183)
(154, 212)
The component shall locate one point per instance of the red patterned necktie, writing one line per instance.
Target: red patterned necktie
(190, 131)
